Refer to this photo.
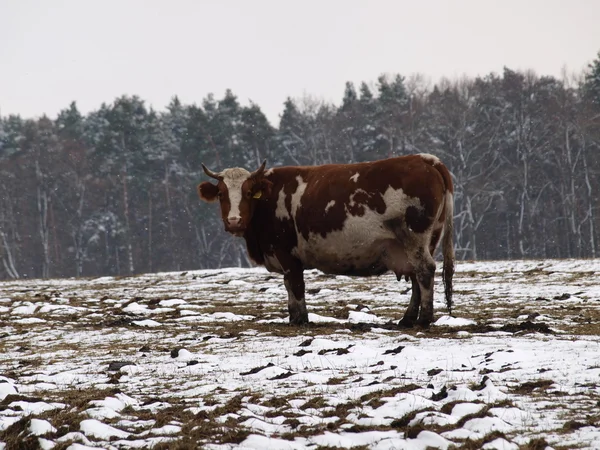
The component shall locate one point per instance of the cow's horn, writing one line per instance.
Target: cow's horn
(210, 173)
(260, 170)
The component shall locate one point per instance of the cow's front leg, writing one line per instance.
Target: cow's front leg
(412, 311)
(294, 283)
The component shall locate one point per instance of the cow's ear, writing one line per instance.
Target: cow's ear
(208, 191)
(264, 187)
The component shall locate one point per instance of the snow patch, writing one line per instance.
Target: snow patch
(453, 322)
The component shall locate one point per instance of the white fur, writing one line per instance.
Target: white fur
(329, 205)
(431, 158)
(297, 196)
(234, 179)
(355, 177)
(281, 212)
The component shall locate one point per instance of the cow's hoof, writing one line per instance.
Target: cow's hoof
(300, 321)
(423, 323)
(406, 323)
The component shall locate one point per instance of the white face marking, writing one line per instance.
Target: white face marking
(355, 177)
(329, 205)
(234, 179)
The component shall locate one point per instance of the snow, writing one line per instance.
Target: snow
(99, 430)
(34, 408)
(39, 427)
(136, 308)
(464, 409)
(172, 302)
(26, 310)
(453, 321)
(46, 444)
(345, 379)
(28, 320)
(500, 444)
(359, 316)
(6, 388)
(167, 429)
(77, 446)
(146, 323)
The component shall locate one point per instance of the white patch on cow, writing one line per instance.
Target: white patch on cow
(234, 179)
(364, 242)
(297, 196)
(281, 212)
(329, 205)
(355, 177)
(396, 202)
(432, 159)
(268, 172)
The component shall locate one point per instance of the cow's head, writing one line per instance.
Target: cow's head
(238, 191)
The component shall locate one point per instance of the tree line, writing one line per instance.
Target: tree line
(113, 192)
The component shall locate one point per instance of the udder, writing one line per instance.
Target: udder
(396, 259)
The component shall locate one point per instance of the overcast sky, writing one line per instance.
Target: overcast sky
(55, 51)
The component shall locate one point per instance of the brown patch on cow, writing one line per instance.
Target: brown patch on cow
(288, 189)
(417, 220)
(265, 233)
(360, 199)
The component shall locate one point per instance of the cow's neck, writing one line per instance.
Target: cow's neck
(252, 243)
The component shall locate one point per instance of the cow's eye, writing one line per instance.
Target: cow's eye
(249, 194)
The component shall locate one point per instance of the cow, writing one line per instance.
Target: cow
(358, 219)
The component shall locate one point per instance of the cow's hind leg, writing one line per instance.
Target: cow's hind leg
(412, 312)
(425, 272)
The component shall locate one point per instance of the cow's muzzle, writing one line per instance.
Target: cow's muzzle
(235, 226)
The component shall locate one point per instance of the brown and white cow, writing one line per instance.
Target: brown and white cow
(350, 219)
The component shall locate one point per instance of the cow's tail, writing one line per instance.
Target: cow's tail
(447, 240)
(448, 248)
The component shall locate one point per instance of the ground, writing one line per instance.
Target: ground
(206, 359)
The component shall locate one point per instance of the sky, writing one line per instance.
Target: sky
(90, 51)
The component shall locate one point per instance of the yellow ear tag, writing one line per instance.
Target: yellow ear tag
(258, 195)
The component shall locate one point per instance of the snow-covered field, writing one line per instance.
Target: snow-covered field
(206, 359)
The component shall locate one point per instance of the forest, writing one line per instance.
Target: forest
(113, 192)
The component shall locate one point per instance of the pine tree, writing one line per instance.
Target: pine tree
(392, 107)
(591, 84)
(367, 131)
(347, 125)
(291, 129)
(256, 135)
